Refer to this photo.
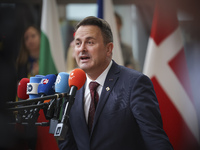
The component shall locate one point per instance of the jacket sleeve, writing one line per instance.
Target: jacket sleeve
(145, 108)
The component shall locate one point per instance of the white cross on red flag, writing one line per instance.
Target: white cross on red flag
(166, 65)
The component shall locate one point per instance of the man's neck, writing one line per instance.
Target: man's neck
(95, 75)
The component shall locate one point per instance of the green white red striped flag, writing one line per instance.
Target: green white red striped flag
(51, 62)
(52, 58)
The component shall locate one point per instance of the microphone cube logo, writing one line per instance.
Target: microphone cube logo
(58, 79)
(44, 81)
(29, 88)
(71, 75)
(58, 131)
(61, 131)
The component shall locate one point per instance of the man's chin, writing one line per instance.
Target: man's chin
(84, 67)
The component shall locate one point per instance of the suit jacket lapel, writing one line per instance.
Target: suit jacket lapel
(109, 83)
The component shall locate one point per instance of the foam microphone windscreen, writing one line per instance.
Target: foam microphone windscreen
(77, 78)
(32, 87)
(61, 85)
(47, 85)
(22, 87)
(38, 75)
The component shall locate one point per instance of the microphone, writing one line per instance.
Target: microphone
(77, 79)
(31, 112)
(31, 90)
(39, 85)
(21, 93)
(53, 111)
(38, 75)
(32, 87)
(41, 91)
(22, 87)
(61, 86)
(45, 87)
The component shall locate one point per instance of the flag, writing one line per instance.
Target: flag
(106, 12)
(51, 62)
(165, 64)
(52, 58)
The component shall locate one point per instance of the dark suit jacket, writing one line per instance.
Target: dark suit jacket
(127, 116)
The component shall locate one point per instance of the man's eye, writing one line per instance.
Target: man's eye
(77, 43)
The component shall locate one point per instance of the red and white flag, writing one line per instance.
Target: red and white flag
(165, 64)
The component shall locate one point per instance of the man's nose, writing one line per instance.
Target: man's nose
(83, 47)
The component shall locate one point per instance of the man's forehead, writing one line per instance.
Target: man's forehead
(88, 29)
(87, 32)
(85, 38)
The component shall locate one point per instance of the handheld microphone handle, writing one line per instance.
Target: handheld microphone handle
(69, 104)
(56, 117)
(73, 91)
(50, 109)
(58, 108)
(39, 102)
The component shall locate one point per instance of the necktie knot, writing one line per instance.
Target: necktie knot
(93, 86)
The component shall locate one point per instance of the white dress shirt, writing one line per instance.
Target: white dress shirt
(87, 96)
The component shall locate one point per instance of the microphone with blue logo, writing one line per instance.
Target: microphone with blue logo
(53, 111)
(45, 87)
(76, 80)
(61, 86)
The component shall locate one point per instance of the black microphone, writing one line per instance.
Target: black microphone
(77, 79)
(53, 111)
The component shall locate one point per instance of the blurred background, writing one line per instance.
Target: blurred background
(136, 15)
(16, 15)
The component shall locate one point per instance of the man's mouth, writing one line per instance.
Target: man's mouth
(84, 57)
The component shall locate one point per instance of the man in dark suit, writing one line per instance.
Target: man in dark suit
(127, 114)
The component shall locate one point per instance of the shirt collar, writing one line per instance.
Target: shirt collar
(102, 77)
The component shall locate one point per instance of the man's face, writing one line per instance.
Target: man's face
(90, 51)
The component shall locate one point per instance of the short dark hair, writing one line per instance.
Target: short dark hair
(102, 24)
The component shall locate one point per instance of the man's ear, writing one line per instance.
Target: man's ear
(109, 48)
